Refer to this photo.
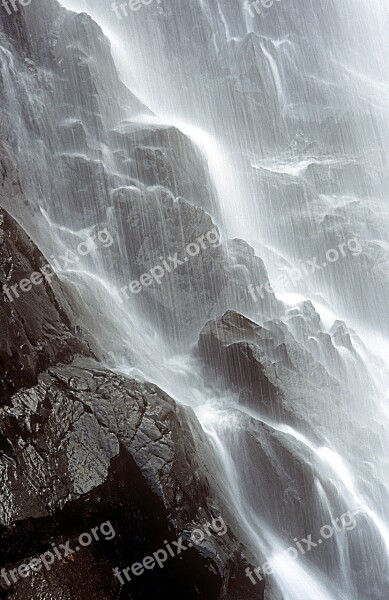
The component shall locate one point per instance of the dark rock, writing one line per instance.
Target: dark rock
(85, 446)
(238, 349)
(36, 326)
(273, 373)
(80, 446)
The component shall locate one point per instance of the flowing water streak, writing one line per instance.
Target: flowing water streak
(222, 170)
(295, 579)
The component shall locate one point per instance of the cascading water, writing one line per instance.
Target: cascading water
(289, 160)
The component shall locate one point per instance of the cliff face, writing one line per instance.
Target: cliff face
(79, 444)
(262, 425)
(90, 159)
(80, 124)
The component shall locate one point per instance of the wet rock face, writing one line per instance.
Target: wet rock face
(239, 350)
(155, 229)
(73, 424)
(163, 156)
(281, 383)
(154, 185)
(74, 48)
(80, 446)
(87, 135)
(209, 276)
(85, 445)
(36, 327)
(274, 372)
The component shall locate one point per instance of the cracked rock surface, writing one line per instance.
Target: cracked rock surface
(85, 445)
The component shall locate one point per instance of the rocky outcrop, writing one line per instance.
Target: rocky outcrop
(80, 446)
(273, 372)
(37, 326)
(209, 276)
(85, 445)
(238, 351)
(285, 396)
(159, 155)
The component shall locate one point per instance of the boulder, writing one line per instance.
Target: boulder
(274, 374)
(85, 446)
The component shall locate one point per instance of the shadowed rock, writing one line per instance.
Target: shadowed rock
(36, 325)
(84, 446)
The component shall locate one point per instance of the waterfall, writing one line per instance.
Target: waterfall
(293, 131)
